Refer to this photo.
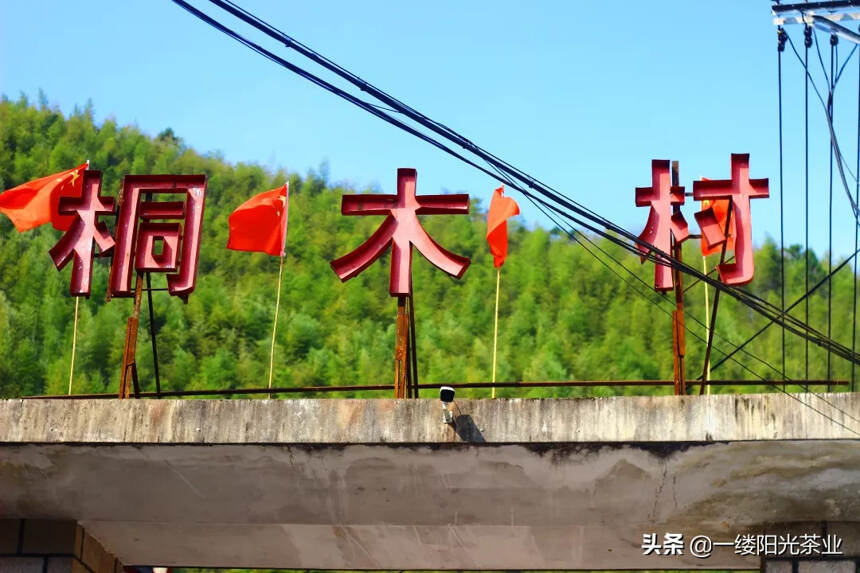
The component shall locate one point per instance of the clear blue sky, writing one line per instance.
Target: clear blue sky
(580, 96)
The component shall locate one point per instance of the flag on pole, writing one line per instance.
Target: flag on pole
(37, 202)
(501, 209)
(720, 209)
(260, 223)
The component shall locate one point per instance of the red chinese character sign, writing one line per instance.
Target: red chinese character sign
(144, 245)
(84, 229)
(402, 230)
(664, 221)
(739, 189)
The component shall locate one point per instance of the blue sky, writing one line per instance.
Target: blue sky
(578, 95)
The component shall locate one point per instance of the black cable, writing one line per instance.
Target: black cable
(754, 302)
(781, 36)
(453, 136)
(574, 234)
(834, 142)
(833, 56)
(798, 301)
(856, 229)
(845, 63)
(564, 206)
(807, 33)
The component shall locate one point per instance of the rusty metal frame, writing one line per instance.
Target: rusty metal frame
(460, 385)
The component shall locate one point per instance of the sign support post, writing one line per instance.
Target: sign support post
(679, 345)
(129, 358)
(400, 348)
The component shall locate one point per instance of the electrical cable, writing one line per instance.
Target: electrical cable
(807, 33)
(781, 36)
(834, 142)
(566, 207)
(834, 56)
(856, 229)
(756, 303)
(453, 136)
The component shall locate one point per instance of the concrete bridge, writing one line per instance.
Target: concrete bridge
(89, 485)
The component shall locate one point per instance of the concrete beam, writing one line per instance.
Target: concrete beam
(383, 484)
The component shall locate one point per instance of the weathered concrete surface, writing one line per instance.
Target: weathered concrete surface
(383, 484)
(718, 417)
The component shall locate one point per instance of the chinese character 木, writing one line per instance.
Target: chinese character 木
(402, 230)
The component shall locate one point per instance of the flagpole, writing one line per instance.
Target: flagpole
(74, 344)
(75, 333)
(496, 328)
(275, 326)
(280, 279)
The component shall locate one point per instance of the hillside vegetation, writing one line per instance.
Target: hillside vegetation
(564, 315)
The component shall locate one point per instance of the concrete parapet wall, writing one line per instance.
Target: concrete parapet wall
(385, 484)
(718, 417)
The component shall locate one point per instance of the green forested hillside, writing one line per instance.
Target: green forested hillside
(563, 314)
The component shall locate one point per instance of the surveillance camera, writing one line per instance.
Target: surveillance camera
(446, 394)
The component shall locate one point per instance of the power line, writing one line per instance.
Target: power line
(565, 206)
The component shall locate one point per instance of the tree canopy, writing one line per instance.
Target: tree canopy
(565, 315)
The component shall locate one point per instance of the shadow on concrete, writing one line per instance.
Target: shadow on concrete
(465, 427)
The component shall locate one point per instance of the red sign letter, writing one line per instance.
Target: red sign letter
(402, 229)
(661, 196)
(740, 189)
(179, 245)
(83, 228)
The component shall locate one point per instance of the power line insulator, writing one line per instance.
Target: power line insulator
(807, 36)
(781, 37)
(834, 39)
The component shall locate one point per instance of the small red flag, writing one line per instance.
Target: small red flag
(720, 209)
(501, 209)
(260, 223)
(37, 202)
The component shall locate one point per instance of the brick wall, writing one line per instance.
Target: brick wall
(49, 546)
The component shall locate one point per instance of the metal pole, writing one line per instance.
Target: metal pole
(413, 348)
(400, 344)
(275, 325)
(152, 336)
(496, 328)
(707, 374)
(678, 340)
(152, 333)
(713, 323)
(129, 362)
(74, 344)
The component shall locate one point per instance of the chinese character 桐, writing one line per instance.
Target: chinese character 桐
(144, 244)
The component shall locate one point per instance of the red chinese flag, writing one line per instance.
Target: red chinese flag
(37, 202)
(501, 209)
(720, 208)
(260, 223)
